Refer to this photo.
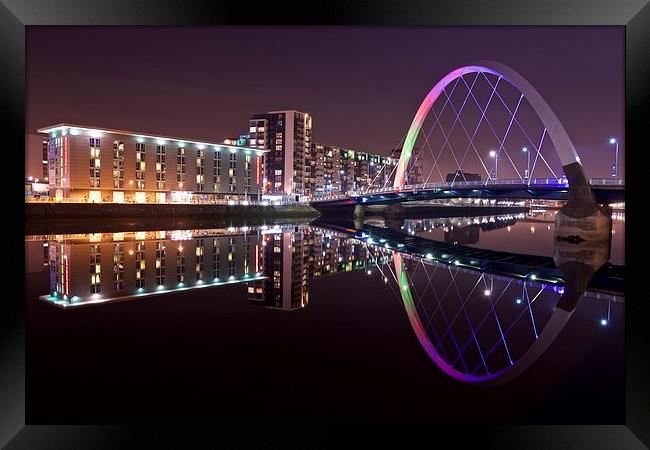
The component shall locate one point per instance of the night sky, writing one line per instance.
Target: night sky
(361, 85)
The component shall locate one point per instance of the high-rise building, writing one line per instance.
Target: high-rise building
(414, 168)
(287, 136)
(339, 170)
(104, 165)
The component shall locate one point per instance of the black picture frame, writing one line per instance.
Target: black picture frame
(15, 15)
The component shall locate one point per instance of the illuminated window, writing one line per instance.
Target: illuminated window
(200, 168)
(118, 267)
(180, 165)
(217, 172)
(160, 263)
(247, 172)
(180, 265)
(160, 167)
(95, 269)
(199, 259)
(95, 163)
(139, 165)
(118, 165)
(140, 264)
(232, 173)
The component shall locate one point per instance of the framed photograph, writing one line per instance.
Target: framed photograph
(286, 226)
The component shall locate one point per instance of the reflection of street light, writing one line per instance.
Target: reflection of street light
(615, 166)
(495, 155)
(525, 150)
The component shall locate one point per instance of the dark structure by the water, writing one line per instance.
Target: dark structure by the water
(459, 175)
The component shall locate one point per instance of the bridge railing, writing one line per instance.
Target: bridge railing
(533, 182)
(607, 181)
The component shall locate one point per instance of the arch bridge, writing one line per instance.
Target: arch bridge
(483, 131)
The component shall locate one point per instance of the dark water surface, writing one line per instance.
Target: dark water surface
(296, 323)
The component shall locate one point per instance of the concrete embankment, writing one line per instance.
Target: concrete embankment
(50, 217)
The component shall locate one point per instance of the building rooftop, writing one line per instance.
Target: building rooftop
(76, 129)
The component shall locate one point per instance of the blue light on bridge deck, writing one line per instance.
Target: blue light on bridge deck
(487, 292)
(370, 272)
(518, 301)
(603, 322)
(160, 286)
(140, 290)
(429, 256)
(231, 277)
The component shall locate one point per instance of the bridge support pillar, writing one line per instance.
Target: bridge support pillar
(359, 216)
(394, 216)
(582, 218)
(578, 262)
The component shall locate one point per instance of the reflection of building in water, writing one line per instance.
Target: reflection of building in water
(462, 235)
(451, 224)
(284, 261)
(110, 266)
(292, 256)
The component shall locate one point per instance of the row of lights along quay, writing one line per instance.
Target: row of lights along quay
(275, 162)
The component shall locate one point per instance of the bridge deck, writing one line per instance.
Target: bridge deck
(605, 191)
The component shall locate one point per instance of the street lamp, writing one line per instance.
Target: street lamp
(495, 155)
(615, 166)
(527, 174)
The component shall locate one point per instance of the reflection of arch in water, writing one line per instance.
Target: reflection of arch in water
(553, 327)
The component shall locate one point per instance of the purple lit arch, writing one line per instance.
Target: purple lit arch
(554, 128)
